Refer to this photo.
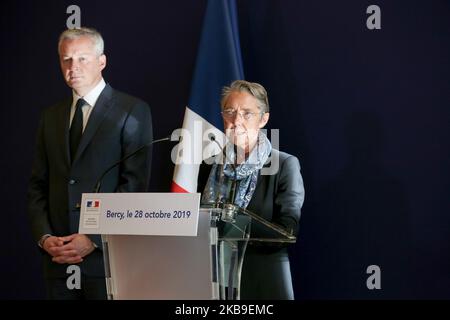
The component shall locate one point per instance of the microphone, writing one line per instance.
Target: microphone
(99, 180)
(229, 209)
(212, 137)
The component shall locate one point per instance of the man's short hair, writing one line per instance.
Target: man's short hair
(93, 34)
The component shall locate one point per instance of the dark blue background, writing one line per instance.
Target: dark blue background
(367, 112)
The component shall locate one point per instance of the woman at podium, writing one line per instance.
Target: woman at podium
(260, 179)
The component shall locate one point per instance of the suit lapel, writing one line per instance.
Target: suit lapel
(64, 123)
(261, 179)
(98, 114)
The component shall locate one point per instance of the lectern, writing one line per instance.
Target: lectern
(151, 254)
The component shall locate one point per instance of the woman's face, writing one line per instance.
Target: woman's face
(243, 119)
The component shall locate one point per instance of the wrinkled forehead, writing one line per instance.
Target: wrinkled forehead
(241, 100)
(79, 45)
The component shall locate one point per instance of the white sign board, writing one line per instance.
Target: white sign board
(162, 214)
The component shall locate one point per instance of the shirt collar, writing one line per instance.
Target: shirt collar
(92, 97)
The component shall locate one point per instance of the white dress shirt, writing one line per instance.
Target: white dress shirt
(90, 98)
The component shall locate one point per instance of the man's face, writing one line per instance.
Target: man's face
(80, 64)
(242, 119)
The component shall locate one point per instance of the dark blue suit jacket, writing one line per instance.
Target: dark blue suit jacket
(117, 126)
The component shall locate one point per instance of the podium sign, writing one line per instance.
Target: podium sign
(163, 246)
(161, 214)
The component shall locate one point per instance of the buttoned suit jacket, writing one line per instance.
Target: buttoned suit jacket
(118, 125)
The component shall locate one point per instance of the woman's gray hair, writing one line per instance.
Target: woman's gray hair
(253, 88)
(94, 35)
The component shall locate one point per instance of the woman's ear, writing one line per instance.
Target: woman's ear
(264, 120)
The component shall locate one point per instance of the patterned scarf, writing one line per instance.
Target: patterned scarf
(224, 173)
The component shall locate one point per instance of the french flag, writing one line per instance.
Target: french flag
(93, 204)
(218, 63)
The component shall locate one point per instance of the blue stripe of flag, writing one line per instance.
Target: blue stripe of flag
(219, 60)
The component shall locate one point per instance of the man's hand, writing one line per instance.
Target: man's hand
(70, 249)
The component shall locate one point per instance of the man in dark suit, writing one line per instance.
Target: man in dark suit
(275, 195)
(77, 140)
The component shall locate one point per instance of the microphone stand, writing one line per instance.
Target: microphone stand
(99, 180)
(229, 209)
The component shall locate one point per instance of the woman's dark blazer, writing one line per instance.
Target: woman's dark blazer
(278, 198)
